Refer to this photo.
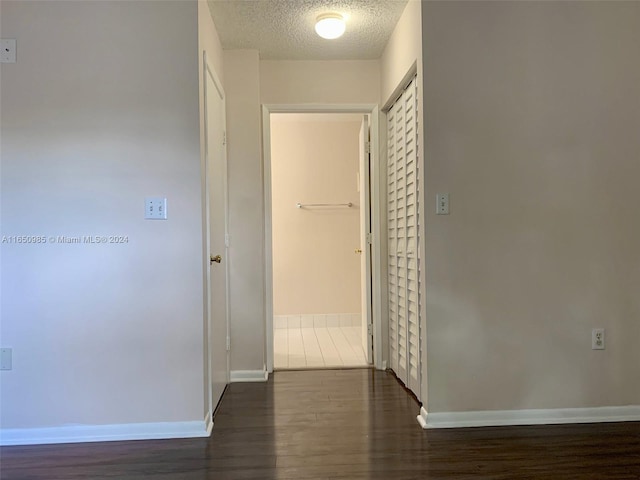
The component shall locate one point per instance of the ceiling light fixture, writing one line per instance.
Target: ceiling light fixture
(330, 25)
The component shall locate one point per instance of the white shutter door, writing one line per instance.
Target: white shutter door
(392, 239)
(413, 290)
(401, 242)
(403, 221)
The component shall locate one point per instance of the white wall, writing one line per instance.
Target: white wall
(315, 159)
(337, 81)
(403, 50)
(246, 210)
(94, 118)
(532, 115)
(209, 40)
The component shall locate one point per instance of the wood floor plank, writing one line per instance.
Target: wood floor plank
(339, 424)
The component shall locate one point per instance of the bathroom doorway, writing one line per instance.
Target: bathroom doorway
(320, 240)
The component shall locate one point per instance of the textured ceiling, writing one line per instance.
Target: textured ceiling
(284, 29)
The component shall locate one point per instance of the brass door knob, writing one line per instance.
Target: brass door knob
(358, 250)
(217, 259)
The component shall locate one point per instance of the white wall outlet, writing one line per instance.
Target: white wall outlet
(8, 50)
(442, 203)
(155, 208)
(597, 339)
(6, 360)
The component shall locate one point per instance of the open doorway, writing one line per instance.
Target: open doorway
(370, 327)
(320, 217)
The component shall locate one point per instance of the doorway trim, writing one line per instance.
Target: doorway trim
(376, 216)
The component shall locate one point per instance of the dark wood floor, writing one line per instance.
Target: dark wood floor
(340, 424)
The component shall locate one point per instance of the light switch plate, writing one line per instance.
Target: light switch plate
(6, 360)
(442, 203)
(155, 208)
(8, 50)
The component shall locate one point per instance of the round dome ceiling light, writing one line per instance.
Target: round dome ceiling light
(330, 25)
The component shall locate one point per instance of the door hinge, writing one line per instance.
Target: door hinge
(370, 238)
(228, 344)
(367, 147)
(224, 137)
(369, 329)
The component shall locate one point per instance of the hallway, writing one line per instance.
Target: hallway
(339, 424)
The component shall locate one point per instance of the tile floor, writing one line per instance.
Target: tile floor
(318, 347)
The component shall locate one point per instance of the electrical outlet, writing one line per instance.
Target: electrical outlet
(8, 50)
(597, 339)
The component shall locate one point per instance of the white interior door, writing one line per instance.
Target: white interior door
(365, 245)
(216, 172)
(403, 227)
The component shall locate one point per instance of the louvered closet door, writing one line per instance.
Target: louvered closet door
(403, 221)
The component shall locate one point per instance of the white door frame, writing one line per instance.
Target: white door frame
(364, 190)
(376, 216)
(208, 70)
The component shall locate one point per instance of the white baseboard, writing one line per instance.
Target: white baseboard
(422, 418)
(317, 320)
(491, 418)
(244, 376)
(106, 433)
(208, 424)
